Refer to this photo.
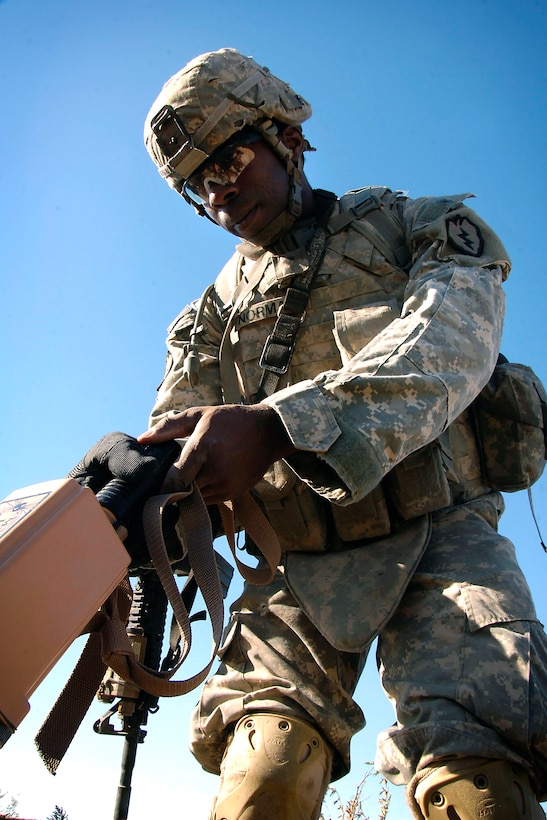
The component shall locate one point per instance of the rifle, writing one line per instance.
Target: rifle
(146, 626)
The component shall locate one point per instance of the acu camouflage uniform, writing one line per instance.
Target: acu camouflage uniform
(391, 530)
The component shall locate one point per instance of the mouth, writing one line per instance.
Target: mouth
(242, 224)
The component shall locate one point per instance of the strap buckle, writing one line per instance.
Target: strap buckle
(281, 357)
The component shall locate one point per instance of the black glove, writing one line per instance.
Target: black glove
(123, 474)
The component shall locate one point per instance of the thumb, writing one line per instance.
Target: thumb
(175, 480)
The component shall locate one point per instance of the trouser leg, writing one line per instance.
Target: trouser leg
(275, 660)
(464, 660)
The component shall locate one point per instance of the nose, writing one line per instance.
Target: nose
(219, 195)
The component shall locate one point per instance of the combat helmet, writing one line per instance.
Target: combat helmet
(206, 103)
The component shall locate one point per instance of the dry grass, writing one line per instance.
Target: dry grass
(353, 809)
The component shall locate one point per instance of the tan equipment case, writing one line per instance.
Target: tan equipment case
(60, 558)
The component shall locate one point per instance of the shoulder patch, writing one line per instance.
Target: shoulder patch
(464, 236)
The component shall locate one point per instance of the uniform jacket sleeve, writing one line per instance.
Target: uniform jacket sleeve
(405, 387)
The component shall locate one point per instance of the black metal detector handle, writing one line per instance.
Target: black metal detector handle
(121, 497)
(147, 620)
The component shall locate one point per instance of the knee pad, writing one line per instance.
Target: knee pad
(274, 768)
(475, 787)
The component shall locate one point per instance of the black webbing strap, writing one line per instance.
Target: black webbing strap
(381, 227)
(279, 345)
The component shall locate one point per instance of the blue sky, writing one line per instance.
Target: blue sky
(98, 255)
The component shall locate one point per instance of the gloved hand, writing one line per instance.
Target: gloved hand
(123, 474)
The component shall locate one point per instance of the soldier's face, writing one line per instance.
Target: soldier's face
(258, 194)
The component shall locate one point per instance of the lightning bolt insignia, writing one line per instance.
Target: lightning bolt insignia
(464, 236)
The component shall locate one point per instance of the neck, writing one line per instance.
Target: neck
(308, 199)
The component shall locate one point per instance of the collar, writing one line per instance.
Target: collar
(294, 243)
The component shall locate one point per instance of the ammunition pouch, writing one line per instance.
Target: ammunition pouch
(415, 487)
(419, 485)
(297, 514)
(510, 415)
(368, 518)
(305, 522)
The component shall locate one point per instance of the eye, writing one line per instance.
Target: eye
(222, 169)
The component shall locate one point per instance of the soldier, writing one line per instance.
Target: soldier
(334, 361)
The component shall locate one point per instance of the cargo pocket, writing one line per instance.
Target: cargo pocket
(349, 596)
(354, 328)
(502, 598)
(496, 668)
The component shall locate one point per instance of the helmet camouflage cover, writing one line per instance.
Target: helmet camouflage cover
(206, 102)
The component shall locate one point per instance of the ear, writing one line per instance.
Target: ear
(293, 138)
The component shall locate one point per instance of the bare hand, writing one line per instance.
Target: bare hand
(228, 448)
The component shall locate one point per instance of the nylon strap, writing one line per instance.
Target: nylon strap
(246, 511)
(230, 387)
(233, 97)
(60, 726)
(109, 645)
(381, 227)
(178, 163)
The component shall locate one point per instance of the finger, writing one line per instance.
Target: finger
(213, 490)
(187, 467)
(211, 493)
(174, 425)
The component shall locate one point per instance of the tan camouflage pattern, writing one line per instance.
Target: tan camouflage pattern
(466, 611)
(394, 559)
(277, 660)
(415, 376)
(510, 413)
(386, 361)
(204, 84)
(175, 391)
